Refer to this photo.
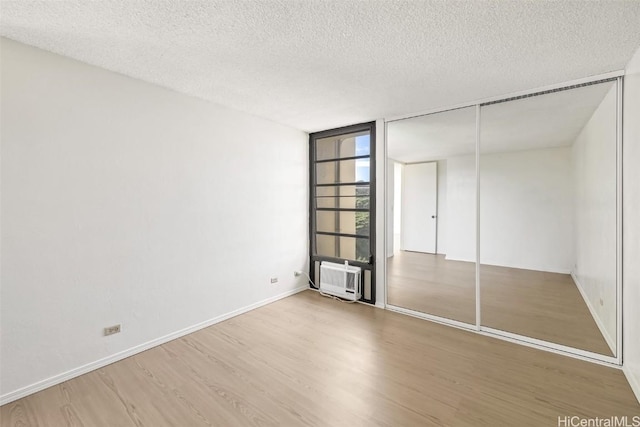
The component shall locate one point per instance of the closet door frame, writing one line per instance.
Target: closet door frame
(616, 360)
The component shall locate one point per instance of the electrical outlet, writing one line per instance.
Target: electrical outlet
(601, 301)
(297, 274)
(274, 280)
(110, 330)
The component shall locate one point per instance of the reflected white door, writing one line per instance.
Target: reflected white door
(419, 207)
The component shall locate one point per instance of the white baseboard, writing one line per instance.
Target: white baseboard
(452, 258)
(610, 342)
(65, 376)
(520, 267)
(543, 268)
(634, 381)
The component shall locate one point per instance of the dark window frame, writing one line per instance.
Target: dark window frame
(369, 127)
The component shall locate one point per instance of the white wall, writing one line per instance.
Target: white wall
(526, 209)
(594, 167)
(442, 207)
(123, 202)
(461, 208)
(631, 223)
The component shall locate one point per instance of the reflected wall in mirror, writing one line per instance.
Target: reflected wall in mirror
(431, 212)
(548, 217)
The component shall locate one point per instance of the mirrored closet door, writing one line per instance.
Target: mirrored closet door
(528, 186)
(431, 205)
(548, 217)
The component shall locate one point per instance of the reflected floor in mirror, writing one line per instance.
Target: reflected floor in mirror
(537, 304)
(430, 284)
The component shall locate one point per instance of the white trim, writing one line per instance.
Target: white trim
(514, 338)
(383, 276)
(478, 310)
(633, 380)
(594, 314)
(551, 347)
(619, 220)
(73, 373)
(450, 258)
(590, 79)
(432, 318)
(521, 267)
(380, 259)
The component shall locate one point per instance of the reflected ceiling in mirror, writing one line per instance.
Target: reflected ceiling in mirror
(540, 121)
(432, 137)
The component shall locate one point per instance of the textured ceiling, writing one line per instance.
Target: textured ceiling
(320, 64)
(545, 121)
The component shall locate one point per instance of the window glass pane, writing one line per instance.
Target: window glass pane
(343, 222)
(342, 171)
(341, 179)
(350, 248)
(349, 145)
(348, 202)
(343, 190)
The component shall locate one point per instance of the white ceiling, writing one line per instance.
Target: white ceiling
(545, 121)
(316, 65)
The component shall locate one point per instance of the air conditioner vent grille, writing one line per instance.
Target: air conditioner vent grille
(341, 280)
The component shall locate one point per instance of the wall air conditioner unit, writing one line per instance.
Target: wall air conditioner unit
(341, 280)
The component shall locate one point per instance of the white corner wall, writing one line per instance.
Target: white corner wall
(631, 223)
(526, 209)
(594, 168)
(123, 202)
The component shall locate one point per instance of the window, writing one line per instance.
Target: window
(342, 198)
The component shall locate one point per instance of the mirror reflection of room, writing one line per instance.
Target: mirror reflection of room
(548, 217)
(431, 201)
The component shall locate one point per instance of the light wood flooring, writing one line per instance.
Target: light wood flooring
(308, 360)
(546, 306)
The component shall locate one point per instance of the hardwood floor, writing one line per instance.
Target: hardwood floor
(309, 360)
(546, 306)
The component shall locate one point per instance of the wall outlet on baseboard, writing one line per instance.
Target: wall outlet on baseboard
(274, 280)
(110, 330)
